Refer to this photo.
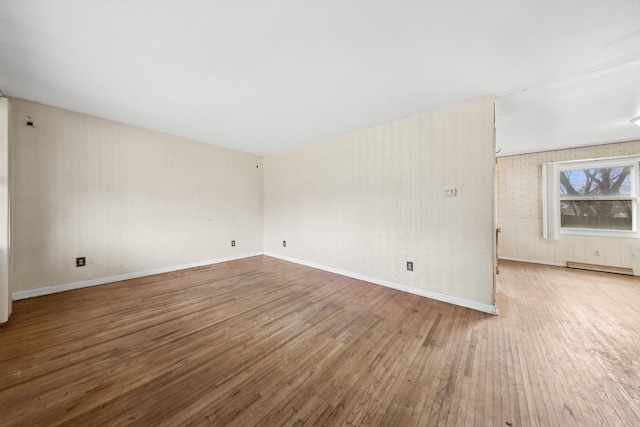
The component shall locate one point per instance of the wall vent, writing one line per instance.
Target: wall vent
(603, 268)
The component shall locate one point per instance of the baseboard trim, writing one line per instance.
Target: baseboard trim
(554, 264)
(602, 268)
(485, 308)
(135, 275)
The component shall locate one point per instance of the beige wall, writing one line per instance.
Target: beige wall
(520, 213)
(368, 202)
(133, 200)
(5, 291)
(128, 199)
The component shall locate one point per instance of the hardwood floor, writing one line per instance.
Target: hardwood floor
(262, 341)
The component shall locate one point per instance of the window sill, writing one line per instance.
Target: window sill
(599, 233)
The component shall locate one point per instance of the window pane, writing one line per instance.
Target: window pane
(596, 182)
(596, 214)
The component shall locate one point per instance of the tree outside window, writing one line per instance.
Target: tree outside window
(597, 198)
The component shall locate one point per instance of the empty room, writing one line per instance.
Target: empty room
(280, 213)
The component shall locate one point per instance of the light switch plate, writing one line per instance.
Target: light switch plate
(450, 192)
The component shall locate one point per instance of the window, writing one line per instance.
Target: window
(594, 197)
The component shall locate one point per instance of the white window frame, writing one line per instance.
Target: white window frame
(551, 198)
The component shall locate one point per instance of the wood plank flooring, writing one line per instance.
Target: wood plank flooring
(261, 341)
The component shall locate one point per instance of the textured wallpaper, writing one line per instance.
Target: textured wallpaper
(369, 201)
(520, 212)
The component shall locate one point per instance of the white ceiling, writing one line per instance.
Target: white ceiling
(265, 76)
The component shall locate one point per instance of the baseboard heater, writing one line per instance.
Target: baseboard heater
(603, 268)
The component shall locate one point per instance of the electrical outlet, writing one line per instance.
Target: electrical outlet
(81, 261)
(596, 252)
(233, 243)
(409, 265)
(633, 255)
(284, 243)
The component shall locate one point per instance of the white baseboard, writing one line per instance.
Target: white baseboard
(486, 308)
(103, 280)
(554, 264)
